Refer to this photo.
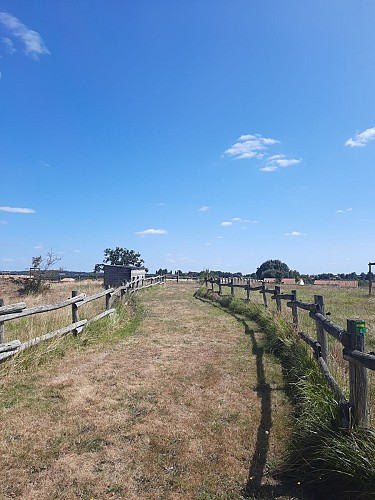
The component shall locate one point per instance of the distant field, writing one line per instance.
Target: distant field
(342, 303)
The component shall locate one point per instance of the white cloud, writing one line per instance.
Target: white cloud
(275, 162)
(269, 169)
(295, 233)
(44, 164)
(236, 219)
(151, 231)
(361, 138)
(9, 45)
(203, 209)
(3, 222)
(220, 237)
(227, 223)
(39, 246)
(250, 146)
(17, 210)
(344, 211)
(33, 42)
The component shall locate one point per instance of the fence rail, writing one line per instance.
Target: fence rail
(15, 311)
(355, 411)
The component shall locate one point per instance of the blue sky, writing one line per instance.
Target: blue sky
(214, 134)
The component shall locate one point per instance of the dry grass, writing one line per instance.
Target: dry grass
(32, 326)
(188, 408)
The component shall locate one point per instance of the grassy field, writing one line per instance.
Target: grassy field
(188, 407)
(39, 324)
(191, 406)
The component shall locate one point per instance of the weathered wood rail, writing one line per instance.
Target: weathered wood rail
(15, 311)
(355, 410)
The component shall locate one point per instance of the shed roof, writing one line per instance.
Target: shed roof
(124, 267)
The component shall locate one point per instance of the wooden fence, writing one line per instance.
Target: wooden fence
(355, 411)
(15, 311)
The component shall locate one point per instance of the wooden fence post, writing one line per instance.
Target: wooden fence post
(212, 284)
(108, 298)
(370, 277)
(219, 285)
(294, 310)
(358, 379)
(231, 287)
(2, 325)
(278, 301)
(264, 294)
(75, 317)
(321, 334)
(248, 291)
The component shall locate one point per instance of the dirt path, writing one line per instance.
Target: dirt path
(188, 408)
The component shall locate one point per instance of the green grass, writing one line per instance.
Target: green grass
(320, 458)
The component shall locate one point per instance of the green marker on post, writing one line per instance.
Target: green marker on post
(360, 327)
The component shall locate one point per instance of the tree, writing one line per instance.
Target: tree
(120, 257)
(161, 272)
(272, 269)
(206, 273)
(41, 271)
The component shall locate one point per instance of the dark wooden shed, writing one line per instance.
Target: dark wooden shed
(116, 275)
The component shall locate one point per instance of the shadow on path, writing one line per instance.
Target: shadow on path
(254, 487)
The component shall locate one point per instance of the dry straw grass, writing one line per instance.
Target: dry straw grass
(190, 407)
(32, 326)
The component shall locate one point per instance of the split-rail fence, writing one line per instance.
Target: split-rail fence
(15, 311)
(352, 412)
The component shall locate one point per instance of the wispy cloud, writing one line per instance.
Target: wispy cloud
(236, 220)
(39, 246)
(343, 211)
(361, 138)
(34, 45)
(203, 209)
(17, 210)
(44, 164)
(3, 222)
(9, 45)
(295, 233)
(250, 146)
(275, 162)
(152, 231)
